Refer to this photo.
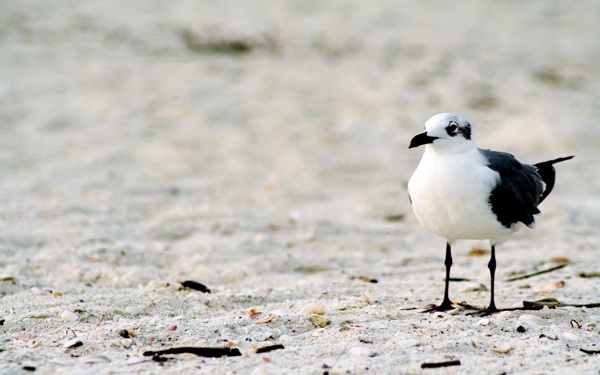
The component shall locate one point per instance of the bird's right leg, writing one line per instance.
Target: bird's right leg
(446, 303)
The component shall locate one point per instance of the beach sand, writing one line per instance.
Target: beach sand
(261, 148)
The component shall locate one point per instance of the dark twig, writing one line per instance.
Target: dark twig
(536, 273)
(440, 364)
(459, 279)
(588, 275)
(586, 305)
(195, 285)
(199, 351)
(589, 351)
(269, 348)
(575, 323)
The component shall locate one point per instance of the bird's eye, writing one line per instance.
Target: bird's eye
(451, 128)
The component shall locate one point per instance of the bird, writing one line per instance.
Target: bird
(462, 192)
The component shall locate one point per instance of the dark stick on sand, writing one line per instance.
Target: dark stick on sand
(536, 273)
(440, 364)
(199, 351)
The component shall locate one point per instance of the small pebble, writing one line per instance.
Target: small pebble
(133, 310)
(69, 316)
(484, 322)
(9, 322)
(126, 343)
(520, 328)
(57, 293)
(440, 315)
(117, 317)
(533, 319)
(361, 351)
(124, 333)
(313, 308)
(319, 321)
(504, 315)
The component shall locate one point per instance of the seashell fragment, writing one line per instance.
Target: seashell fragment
(69, 316)
(313, 308)
(133, 310)
(504, 315)
(529, 318)
(261, 318)
(365, 297)
(504, 348)
(73, 343)
(34, 314)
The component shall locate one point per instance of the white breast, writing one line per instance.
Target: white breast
(449, 194)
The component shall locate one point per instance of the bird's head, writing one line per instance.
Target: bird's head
(445, 132)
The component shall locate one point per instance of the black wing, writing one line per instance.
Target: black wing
(518, 192)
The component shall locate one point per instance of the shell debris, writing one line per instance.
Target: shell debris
(313, 308)
(365, 297)
(319, 321)
(73, 343)
(529, 318)
(69, 316)
(502, 349)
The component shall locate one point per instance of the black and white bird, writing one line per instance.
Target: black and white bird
(461, 192)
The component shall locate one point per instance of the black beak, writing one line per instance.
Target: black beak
(421, 139)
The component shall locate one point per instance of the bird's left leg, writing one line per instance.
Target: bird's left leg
(492, 266)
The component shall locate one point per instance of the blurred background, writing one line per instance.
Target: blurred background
(254, 142)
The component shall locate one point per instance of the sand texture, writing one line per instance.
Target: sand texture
(261, 148)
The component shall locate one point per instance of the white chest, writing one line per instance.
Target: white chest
(450, 194)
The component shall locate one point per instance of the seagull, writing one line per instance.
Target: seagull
(461, 192)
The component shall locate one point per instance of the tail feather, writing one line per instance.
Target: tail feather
(548, 174)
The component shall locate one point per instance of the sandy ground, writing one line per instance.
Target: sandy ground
(257, 147)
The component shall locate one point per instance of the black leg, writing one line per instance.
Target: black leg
(446, 303)
(492, 266)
